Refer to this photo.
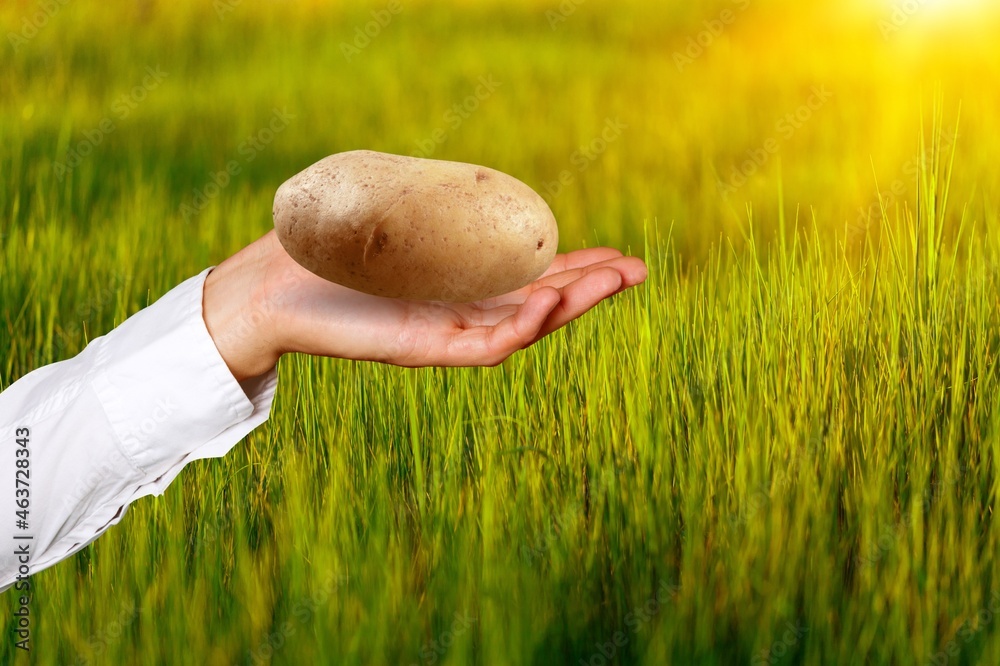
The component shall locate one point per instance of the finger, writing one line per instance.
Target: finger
(489, 316)
(633, 271)
(580, 296)
(489, 345)
(580, 258)
(563, 262)
(631, 268)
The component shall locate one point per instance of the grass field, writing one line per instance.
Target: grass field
(781, 449)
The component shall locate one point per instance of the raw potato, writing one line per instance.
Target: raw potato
(413, 228)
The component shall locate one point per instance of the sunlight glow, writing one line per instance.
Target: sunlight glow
(905, 9)
(901, 16)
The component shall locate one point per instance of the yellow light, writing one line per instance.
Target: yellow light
(905, 9)
(920, 18)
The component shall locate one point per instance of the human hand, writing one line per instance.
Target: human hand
(260, 304)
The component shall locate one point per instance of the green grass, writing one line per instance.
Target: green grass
(795, 420)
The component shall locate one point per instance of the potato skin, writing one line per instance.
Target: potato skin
(406, 227)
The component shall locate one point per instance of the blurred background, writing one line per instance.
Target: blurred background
(680, 114)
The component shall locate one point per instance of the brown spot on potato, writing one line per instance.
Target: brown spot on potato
(541, 244)
(376, 243)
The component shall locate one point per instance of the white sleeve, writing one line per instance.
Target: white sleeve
(113, 424)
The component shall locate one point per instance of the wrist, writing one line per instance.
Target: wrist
(238, 315)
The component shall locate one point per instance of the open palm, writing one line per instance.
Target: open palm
(322, 318)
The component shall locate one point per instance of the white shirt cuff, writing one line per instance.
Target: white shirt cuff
(168, 393)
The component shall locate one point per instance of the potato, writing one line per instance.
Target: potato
(405, 227)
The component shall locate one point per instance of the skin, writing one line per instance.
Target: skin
(260, 304)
